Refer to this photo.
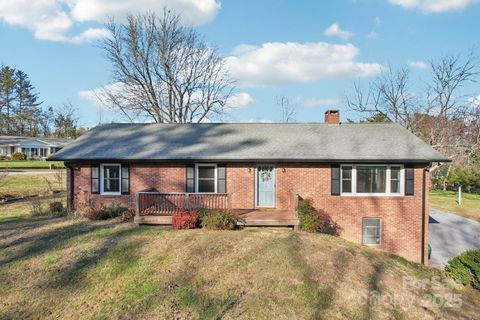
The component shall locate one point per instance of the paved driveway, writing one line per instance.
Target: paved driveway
(451, 234)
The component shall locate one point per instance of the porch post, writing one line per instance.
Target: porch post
(137, 206)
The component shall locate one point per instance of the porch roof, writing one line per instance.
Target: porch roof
(301, 142)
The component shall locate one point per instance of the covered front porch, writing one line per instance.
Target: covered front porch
(158, 208)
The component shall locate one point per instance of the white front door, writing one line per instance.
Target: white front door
(265, 186)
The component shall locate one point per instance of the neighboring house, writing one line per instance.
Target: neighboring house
(369, 178)
(32, 147)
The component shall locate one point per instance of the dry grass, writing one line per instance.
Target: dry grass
(61, 268)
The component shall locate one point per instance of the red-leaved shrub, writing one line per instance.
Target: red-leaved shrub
(185, 220)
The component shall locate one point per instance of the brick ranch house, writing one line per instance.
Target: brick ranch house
(371, 179)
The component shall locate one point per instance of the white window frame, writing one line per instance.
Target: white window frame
(102, 179)
(387, 193)
(380, 231)
(197, 176)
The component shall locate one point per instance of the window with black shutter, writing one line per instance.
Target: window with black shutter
(95, 178)
(190, 181)
(125, 179)
(409, 181)
(221, 178)
(335, 179)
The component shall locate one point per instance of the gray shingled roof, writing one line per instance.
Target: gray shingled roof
(17, 140)
(250, 141)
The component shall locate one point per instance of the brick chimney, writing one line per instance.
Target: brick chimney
(332, 116)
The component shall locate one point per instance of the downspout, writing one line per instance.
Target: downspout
(70, 203)
(424, 188)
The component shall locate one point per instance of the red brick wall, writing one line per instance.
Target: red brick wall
(401, 216)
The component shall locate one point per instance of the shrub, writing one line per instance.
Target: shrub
(127, 215)
(4, 157)
(313, 220)
(219, 219)
(103, 212)
(37, 207)
(17, 156)
(57, 208)
(465, 268)
(114, 211)
(309, 217)
(185, 220)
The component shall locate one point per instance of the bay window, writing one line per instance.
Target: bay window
(372, 179)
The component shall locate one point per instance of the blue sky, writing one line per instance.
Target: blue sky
(309, 51)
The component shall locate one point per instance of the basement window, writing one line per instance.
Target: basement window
(372, 231)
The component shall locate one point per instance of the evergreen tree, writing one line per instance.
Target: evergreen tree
(7, 98)
(27, 111)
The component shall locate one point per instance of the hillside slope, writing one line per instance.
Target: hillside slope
(59, 268)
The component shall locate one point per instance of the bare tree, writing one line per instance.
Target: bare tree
(163, 71)
(287, 110)
(444, 116)
(388, 95)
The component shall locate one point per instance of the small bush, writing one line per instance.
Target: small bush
(219, 219)
(36, 207)
(313, 220)
(18, 156)
(115, 210)
(56, 206)
(127, 215)
(309, 217)
(103, 212)
(466, 268)
(185, 220)
(4, 157)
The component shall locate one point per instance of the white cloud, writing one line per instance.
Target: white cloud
(90, 34)
(280, 63)
(240, 100)
(335, 31)
(377, 21)
(417, 64)
(372, 35)
(97, 96)
(54, 20)
(316, 102)
(434, 6)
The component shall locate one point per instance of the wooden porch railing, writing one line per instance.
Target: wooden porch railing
(156, 203)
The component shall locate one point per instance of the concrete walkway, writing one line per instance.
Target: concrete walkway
(451, 234)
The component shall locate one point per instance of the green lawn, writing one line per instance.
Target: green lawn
(35, 164)
(448, 201)
(57, 267)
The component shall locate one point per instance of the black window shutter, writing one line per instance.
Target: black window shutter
(409, 180)
(335, 179)
(222, 178)
(95, 178)
(125, 179)
(190, 178)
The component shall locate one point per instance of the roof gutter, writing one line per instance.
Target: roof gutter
(373, 161)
